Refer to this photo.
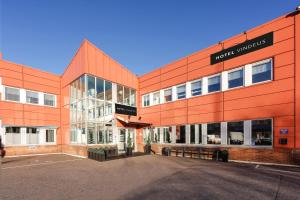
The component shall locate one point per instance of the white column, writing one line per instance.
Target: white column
(224, 80)
(247, 132)
(161, 136)
(188, 90)
(41, 98)
(22, 96)
(197, 133)
(204, 133)
(55, 131)
(114, 96)
(115, 131)
(224, 133)
(173, 135)
(23, 136)
(174, 93)
(162, 99)
(204, 85)
(188, 134)
(151, 98)
(42, 136)
(248, 74)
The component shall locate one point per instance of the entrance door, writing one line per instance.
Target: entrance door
(122, 140)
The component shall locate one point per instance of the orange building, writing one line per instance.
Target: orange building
(242, 93)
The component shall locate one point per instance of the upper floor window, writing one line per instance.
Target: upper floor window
(236, 78)
(181, 92)
(126, 100)
(91, 86)
(32, 97)
(156, 98)
(196, 88)
(168, 95)
(108, 91)
(49, 100)
(12, 94)
(132, 97)
(262, 72)
(146, 100)
(99, 88)
(214, 83)
(120, 94)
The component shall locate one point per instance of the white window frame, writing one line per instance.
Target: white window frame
(233, 70)
(201, 87)
(259, 63)
(212, 76)
(144, 100)
(172, 98)
(177, 86)
(272, 133)
(38, 96)
(51, 95)
(4, 94)
(159, 100)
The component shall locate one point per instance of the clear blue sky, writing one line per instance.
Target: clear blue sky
(142, 35)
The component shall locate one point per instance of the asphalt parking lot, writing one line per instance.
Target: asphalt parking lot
(144, 177)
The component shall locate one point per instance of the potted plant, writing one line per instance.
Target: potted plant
(147, 147)
(129, 147)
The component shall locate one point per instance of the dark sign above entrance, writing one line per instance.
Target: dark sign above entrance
(125, 110)
(243, 48)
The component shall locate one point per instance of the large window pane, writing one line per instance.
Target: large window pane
(132, 97)
(236, 78)
(262, 132)
(235, 132)
(32, 136)
(167, 134)
(100, 134)
(181, 92)
(32, 97)
(91, 109)
(49, 100)
(168, 95)
(108, 108)
(192, 135)
(126, 96)
(180, 134)
(146, 100)
(214, 83)
(50, 135)
(214, 133)
(82, 86)
(120, 94)
(92, 136)
(12, 135)
(100, 88)
(109, 136)
(100, 109)
(262, 72)
(196, 88)
(91, 86)
(108, 91)
(156, 98)
(200, 133)
(12, 94)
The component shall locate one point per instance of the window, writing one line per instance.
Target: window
(192, 134)
(155, 135)
(236, 78)
(196, 88)
(91, 86)
(200, 133)
(126, 96)
(82, 86)
(181, 92)
(108, 108)
(235, 133)
(12, 94)
(156, 98)
(32, 97)
(100, 136)
(132, 97)
(73, 134)
(168, 95)
(262, 132)
(99, 88)
(214, 133)
(100, 109)
(167, 134)
(214, 83)
(262, 72)
(108, 136)
(12, 135)
(146, 100)
(91, 133)
(49, 100)
(180, 134)
(108, 91)
(120, 94)
(49, 135)
(32, 136)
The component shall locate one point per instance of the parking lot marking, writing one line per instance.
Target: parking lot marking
(45, 163)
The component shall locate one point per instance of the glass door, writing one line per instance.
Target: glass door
(122, 140)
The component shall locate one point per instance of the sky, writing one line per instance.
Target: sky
(142, 35)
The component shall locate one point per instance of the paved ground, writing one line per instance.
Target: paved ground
(145, 177)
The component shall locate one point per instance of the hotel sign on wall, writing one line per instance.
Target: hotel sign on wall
(243, 48)
(125, 110)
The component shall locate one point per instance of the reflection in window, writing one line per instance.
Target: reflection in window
(262, 132)
(120, 94)
(100, 88)
(196, 88)
(262, 72)
(167, 134)
(214, 83)
(108, 91)
(126, 96)
(168, 95)
(192, 136)
(100, 109)
(235, 132)
(156, 98)
(200, 133)
(32, 97)
(91, 86)
(146, 100)
(214, 133)
(180, 134)
(132, 97)
(49, 100)
(181, 92)
(92, 137)
(12, 94)
(236, 78)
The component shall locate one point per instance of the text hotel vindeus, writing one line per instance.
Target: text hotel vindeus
(242, 93)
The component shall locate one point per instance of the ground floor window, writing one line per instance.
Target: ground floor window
(192, 134)
(49, 135)
(12, 135)
(180, 134)
(200, 133)
(214, 133)
(235, 133)
(109, 136)
(262, 132)
(32, 136)
(167, 134)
